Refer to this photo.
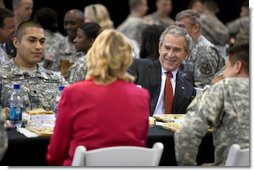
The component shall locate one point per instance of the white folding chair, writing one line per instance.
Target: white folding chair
(118, 156)
(237, 156)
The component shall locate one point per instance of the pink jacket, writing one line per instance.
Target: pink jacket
(98, 116)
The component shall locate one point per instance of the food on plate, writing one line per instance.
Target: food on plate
(152, 121)
(168, 117)
(39, 111)
(172, 126)
(41, 130)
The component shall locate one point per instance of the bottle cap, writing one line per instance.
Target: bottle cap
(16, 86)
(60, 88)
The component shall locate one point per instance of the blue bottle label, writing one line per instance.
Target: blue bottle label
(15, 113)
(12, 113)
(18, 116)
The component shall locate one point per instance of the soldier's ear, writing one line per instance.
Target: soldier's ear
(91, 42)
(196, 28)
(15, 42)
(238, 66)
(187, 54)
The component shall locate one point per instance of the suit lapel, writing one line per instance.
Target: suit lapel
(154, 76)
(180, 93)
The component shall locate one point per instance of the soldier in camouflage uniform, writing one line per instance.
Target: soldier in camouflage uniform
(77, 71)
(161, 15)
(205, 60)
(47, 17)
(86, 35)
(38, 85)
(4, 59)
(3, 137)
(224, 107)
(65, 49)
(212, 28)
(241, 38)
(240, 23)
(7, 29)
(133, 26)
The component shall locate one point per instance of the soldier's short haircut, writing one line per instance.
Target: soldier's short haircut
(178, 32)
(193, 15)
(135, 3)
(211, 5)
(15, 3)
(22, 28)
(47, 17)
(240, 52)
(5, 13)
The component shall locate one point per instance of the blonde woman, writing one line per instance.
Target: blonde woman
(98, 13)
(106, 109)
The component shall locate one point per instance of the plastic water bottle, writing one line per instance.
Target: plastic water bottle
(16, 106)
(58, 97)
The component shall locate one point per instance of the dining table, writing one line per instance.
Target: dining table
(24, 151)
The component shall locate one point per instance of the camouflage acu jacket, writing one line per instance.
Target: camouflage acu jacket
(62, 50)
(4, 59)
(3, 137)
(77, 71)
(225, 106)
(38, 90)
(204, 62)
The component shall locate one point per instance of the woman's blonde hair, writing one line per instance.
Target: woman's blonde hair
(98, 13)
(109, 58)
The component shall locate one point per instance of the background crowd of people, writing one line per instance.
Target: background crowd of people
(150, 62)
(119, 14)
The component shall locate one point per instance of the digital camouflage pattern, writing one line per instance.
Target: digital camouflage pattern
(225, 107)
(77, 71)
(156, 19)
(237, 25)
(243, 36)
(51, 39)
(132, 28)
(204, 62)
(62, 50)
(214, 30)
(3, 137)
(4, 59)
(37, 90)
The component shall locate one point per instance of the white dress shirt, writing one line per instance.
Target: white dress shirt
(159, 109)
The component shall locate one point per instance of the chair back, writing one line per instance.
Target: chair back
(237, 156)
(118, 156)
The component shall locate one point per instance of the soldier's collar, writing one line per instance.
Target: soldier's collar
(41, 72)
(23, 68)
(15, 69)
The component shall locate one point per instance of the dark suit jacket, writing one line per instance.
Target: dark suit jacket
(148, 75)
(10, 49)
(139, 67)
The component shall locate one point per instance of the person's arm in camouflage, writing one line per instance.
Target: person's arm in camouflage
(62, 80)
(203, 111)
(3, 136)
(77, 71)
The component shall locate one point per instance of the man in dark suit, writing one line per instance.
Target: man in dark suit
(174, 47)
